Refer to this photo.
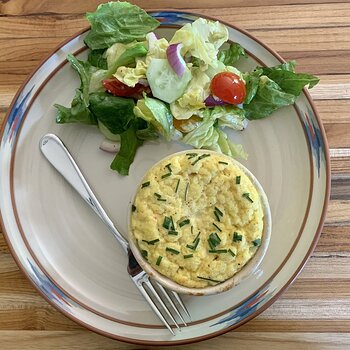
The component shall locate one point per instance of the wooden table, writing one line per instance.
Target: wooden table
(315, 311)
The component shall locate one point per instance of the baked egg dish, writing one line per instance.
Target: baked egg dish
(197, 218)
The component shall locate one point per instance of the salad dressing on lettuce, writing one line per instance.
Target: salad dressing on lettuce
(136, 86)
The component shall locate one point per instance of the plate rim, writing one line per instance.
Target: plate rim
(282, 289)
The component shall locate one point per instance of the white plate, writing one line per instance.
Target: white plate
(68, 254)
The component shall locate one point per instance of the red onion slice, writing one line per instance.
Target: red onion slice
(211, 101)
(175, 59)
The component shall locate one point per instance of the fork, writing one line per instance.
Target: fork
(58, 155)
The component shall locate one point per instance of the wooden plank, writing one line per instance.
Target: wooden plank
(334, 239)
(331, 91)
(338, 134)
(23, 7)
(340, 165)
(338, 213)
(334, 111)
(26, 340)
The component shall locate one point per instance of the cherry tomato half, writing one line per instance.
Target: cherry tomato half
(117, 88)
(228, 87)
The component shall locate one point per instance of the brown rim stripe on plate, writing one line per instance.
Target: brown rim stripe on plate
(312, 246)
(99, 313)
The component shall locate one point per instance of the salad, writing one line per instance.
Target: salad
(136, 86)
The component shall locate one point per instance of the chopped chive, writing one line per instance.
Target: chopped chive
(208, 279)
(218, 251)
(173, 233)
(159, 260)
(144, 253)
(247, 195)
(237, 237)
(166, 175)
(195, 243)
(215, 225)
(172, 223)
(256, 242)
(177, 185)
(145, 184)
(133, 208)
(219, 211)
(211, 245)
(169, 167)
(191, 155)
(154, 241)
(157, 195)
(200, 157)
(184, 222)
(214, 240)
(161, 199)
(223, 163)
(188, 256)
(186, 191)
(238, 180)
(231, 252)
(167, 222)
(171, 250)
(217, 216)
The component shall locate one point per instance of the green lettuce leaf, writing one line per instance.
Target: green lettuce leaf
(268, 98)
(232, 54)
(228, 116)
(251, 84)
(97, 58)
(288, 80)
(156, 113)
(79, 111)
(129, 143)
(118, 22)
(115, 113)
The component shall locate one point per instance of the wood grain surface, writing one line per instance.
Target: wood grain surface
(314, 313)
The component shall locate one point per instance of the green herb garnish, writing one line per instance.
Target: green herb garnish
(208, 279)
(247, 196)
(145, 184)
(172, 223)
(167, 223)
(171, 250)
(237, 237)
(166, 175)
(159, 260)
(188, 256)
(144, 253)
(184, 222)
(195, 243)
(218, 251)
(214, 240)
(217, 216)
(200, 157)
(154, 241)
(186, 191)
(157, 195)
(177, 185)
(133, 208)
(191, 155)
(231, 252)
(161, 199)
(238, 180)
(173, 233)
(223, 163)
(215, 225)
(256, 242)
(219, 211)
(169, 167)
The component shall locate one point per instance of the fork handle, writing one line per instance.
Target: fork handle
(58, 155)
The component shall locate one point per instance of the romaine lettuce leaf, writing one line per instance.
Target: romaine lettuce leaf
(129, 143)
(156, 113)
(232, 54)
(201, 39)
(118, 22)
(228, 116)
(79, 111)
(115, 113)
(251, 83)
(268, 98)
(98, 59)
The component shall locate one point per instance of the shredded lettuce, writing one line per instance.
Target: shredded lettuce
(118, 22)
(232, 54)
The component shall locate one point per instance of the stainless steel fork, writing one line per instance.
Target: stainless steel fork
(156, 295)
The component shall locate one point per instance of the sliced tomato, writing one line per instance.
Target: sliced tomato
(117, 88)
(228, 87)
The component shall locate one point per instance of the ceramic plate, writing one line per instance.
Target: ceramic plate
(70, 257)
